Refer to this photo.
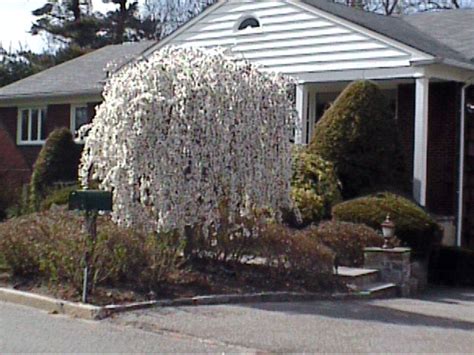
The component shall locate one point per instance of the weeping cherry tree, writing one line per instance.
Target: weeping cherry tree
(185, 129)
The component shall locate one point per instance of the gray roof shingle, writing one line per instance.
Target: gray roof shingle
(413, 30)
(453, 28)
(447, 35)
(82, 75)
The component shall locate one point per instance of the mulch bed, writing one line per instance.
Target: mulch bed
(203, 277)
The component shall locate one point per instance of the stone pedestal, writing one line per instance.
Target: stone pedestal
(393, 265)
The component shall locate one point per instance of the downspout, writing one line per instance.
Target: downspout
(462, 149)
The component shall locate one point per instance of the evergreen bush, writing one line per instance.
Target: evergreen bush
(414, 227)
(359, 136)
(58, 197)
(57, 161)
(315, 187)
(347, 240)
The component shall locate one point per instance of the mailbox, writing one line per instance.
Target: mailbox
(90, 200)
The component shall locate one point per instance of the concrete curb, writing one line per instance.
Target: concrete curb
(52, 305)
(87, 311)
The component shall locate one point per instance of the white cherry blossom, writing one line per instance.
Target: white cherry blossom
(184, 129)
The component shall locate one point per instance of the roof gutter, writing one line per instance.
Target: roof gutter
(457, 63)
(8, 100)
(438, 60)
(462, 153)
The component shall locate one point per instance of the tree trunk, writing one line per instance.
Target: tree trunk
(122, 18)
(76, 9)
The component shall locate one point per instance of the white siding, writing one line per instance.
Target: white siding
(292, 39)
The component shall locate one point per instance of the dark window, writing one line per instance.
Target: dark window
(24, 125)
(250, 22)
(43, 125)
(79, 118)
(31, 127)
(34, 124)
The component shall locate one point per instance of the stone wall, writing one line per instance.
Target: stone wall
(394, 266)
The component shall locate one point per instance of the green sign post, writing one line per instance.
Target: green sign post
(92, 202)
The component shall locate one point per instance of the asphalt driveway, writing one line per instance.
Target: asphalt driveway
(441, 321)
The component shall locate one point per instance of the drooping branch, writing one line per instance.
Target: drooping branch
(185, 130)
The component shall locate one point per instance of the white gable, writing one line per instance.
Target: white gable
(294, 38)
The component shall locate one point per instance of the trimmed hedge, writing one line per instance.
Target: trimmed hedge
(315, 187)
(414, 227)
(347, 240)
(296, 254)
(57, 161)
(58, 197)
(359, 136)
(50, 246)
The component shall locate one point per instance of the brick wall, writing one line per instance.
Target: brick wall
(25, 156)
(58, 116)
(443, 146)
(14, 170)
(405, 122)
(442, 141)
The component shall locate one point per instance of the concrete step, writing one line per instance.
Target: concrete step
(378, 290)
(357, 277)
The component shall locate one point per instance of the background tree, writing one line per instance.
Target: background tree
(124, 24)
(13, 67)
(73, 28)
(73, 22)
(69, 22)
(168, 15)
(392, 7)
(16, 65)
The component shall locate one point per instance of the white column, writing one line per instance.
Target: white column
(312, 112)
(420, 160)
(302, 108)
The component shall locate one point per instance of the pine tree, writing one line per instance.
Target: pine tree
(69, 22)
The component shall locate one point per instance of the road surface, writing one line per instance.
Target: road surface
(441, 321)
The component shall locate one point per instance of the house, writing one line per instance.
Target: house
(423, 62)
(62, 96)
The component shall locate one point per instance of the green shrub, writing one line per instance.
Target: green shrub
(5, 202)
(359, 136)
(347, 240)
(50, 245)
(315, 187)
(9, 196)
(3, 263)
(22, 204)
(452, 266)
(295, 253)
(414, 227)
(58, 197)
(57, 161)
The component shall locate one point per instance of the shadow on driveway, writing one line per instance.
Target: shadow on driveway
(440, 308)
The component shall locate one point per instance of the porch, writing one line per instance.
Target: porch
(437, 142)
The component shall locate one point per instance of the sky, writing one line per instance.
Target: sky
(16, 20)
